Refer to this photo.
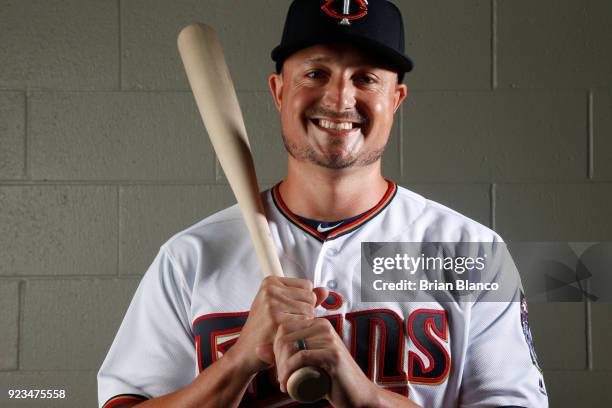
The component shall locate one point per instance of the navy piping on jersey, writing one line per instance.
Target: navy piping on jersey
(341, 230)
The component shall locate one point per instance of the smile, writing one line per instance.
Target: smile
(335, 126)
(327, 124)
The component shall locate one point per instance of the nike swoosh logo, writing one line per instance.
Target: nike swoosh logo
(325, 229)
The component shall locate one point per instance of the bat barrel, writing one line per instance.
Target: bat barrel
(217, 102)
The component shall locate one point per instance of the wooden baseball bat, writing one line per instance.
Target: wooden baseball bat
(217, 102)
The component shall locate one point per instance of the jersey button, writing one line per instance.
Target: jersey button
(332, 284)
(332, 252)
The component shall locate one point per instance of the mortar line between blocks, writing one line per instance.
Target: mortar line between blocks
(118, 249)
(26, 165)
(110, 183)
(20, 307)
(26, 278)
(493, 44)
(493, 205)
(590, 137)
(120, 40)
(46, 370)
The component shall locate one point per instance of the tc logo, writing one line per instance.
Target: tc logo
(346, 15)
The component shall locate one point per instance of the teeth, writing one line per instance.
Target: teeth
(335, 125)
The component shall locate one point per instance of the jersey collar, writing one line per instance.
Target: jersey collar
(345, 229)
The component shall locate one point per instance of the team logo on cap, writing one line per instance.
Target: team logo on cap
(347, 14)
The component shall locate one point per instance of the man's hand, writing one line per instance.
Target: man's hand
(326, 350)
(223, 383)
(278, 301)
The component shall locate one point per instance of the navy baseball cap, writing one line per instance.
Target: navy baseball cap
(374, 26)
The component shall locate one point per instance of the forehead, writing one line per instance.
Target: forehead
(333, 54)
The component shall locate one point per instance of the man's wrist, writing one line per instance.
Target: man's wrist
(242, 364)
(376, 399)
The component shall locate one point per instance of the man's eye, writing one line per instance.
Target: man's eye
(314, 74)
(366, 79)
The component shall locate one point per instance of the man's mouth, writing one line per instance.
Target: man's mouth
(334, 125)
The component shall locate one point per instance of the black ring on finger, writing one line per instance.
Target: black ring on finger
(300, 344)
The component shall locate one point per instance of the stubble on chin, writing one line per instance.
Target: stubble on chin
(332, 161)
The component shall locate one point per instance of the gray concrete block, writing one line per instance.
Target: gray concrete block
(471, 200)
(449, 42)
(602, 134)
(59, 44)
(248, 30)
(263, 126)
(118, 136)
(558, 331)
(392, 160)
(58, 230)
(567, 48)
(495, 136)
(80, 388)
(601, 335)
(69, 324)
(9, 321)
(555, 212)
(150, 215)
(12, 135)
(569, 389)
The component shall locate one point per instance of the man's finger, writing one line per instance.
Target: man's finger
(321, 294)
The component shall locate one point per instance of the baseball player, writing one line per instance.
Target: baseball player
(204, 329)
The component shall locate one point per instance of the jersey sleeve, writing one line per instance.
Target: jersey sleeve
(153, 351)
(501, 368)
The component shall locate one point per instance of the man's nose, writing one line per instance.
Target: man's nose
(339, 95)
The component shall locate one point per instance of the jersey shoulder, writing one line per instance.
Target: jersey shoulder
(221, 220)
(211, 238)
(441, 223)
(215, 238)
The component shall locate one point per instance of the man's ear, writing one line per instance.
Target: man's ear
(275, 82)
(401, 92)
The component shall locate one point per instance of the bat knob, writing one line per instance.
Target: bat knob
(308, 384)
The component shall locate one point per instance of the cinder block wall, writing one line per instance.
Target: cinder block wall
(103, 157)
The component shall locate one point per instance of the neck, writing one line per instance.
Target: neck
(331, 195)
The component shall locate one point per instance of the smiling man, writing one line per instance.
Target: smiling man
(337, 106)
(204, 329)
(332, 125)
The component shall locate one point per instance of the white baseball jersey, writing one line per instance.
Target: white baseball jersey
(195, 297)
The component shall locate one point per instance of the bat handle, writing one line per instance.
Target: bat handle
(308, 384)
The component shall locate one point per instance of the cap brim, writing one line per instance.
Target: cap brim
(388, 55)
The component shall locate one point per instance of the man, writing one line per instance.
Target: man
(337, 87)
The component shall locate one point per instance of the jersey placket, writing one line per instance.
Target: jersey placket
(324, 272)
